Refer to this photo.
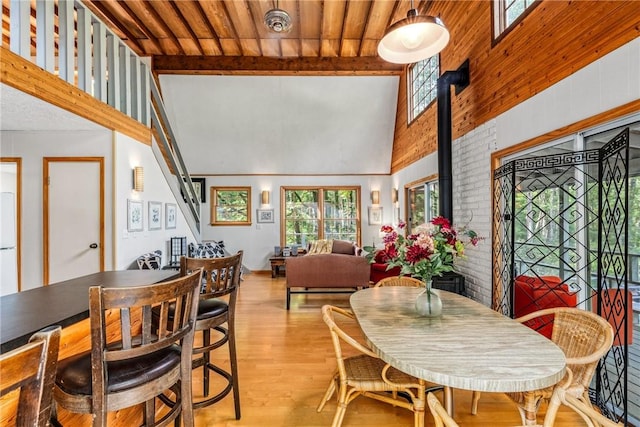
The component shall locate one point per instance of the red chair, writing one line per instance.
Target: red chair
(533, 293)
(379, 269)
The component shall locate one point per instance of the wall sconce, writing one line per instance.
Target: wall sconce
(375, 197)
(394, 195)
(264, 197)
(138, 178)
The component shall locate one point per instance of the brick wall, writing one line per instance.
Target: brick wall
(472, 205)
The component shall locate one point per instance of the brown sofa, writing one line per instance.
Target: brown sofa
(336, 272)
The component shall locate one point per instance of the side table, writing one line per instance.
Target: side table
(276, 263)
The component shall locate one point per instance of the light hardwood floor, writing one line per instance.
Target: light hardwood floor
(286, 360)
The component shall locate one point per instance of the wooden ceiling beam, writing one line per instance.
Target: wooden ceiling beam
(141, 26)
(254, 65)
(194, 38)
(101, 11)
(158, 19)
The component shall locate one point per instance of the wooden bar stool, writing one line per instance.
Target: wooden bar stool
(134, 361)
(31, 369)
(221, 278)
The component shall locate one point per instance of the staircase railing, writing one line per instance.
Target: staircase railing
(81, 50)
(168, 141)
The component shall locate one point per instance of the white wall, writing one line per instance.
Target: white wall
(258, 240)
(129, 245)
(121, 247)
(32, 146)
(612, 81)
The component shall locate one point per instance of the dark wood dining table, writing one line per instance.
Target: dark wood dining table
(64, 303)
(468, 347)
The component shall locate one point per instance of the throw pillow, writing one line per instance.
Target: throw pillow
(150, 261)
(320, 247)
(343, 247)
(206, 250)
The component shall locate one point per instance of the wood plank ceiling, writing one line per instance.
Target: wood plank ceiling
(230, 36)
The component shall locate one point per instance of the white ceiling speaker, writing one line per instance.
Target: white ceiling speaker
(277, 20)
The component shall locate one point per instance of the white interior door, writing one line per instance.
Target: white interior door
(74, 205)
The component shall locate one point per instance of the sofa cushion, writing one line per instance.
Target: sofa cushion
(343, 247)
(150, 261)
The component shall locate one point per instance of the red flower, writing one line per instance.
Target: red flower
(386, 229)
(416, 253)
(390, 251)
(441, 221)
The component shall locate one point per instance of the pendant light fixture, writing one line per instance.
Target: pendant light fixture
(277, 20)
(413, 38)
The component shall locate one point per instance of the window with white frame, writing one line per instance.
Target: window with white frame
(507, 12)
(423, 83)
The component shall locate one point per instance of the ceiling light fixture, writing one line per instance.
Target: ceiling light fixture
(413, 38)
(277, 20)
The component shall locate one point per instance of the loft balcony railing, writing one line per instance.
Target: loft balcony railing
(65, 38)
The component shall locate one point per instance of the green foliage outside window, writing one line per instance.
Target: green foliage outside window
(303, 222)
(230, 205)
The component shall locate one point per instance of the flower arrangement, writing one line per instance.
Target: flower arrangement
(429, 251)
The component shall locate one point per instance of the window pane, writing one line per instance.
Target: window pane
(340, 219)
(231, 205)
(416, 213)
(301, 216)
(423, 76)
(434, 207)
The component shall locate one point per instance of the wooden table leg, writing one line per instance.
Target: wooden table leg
(448, 400)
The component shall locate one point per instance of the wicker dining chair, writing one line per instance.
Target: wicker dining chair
(564, 395)
(406, 281)
(583, 336)
(367, 375)
(30, 371)
(440, 415)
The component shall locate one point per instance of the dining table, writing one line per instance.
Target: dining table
(469, 346)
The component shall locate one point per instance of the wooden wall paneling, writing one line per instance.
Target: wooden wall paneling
(550, 44)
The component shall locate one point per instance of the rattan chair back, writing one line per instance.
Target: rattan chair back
(400, 281)
(367, 375)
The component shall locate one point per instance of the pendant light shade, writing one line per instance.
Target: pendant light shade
(413, 39)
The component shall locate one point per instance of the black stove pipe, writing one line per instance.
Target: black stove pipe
(459, 78)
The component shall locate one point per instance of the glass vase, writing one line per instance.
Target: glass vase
(428, 303)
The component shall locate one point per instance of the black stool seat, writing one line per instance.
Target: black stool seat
(212, 307)
(74, 373)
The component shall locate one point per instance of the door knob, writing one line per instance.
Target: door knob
(93, 245)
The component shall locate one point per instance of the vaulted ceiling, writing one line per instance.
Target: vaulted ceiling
(274, 117)
(235, 28)
(335, 39)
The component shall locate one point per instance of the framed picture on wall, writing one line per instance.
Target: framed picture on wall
(375, 215)
(135, 215)
(265, 215)
(155, 216)
(199, 187)
(170, 215)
